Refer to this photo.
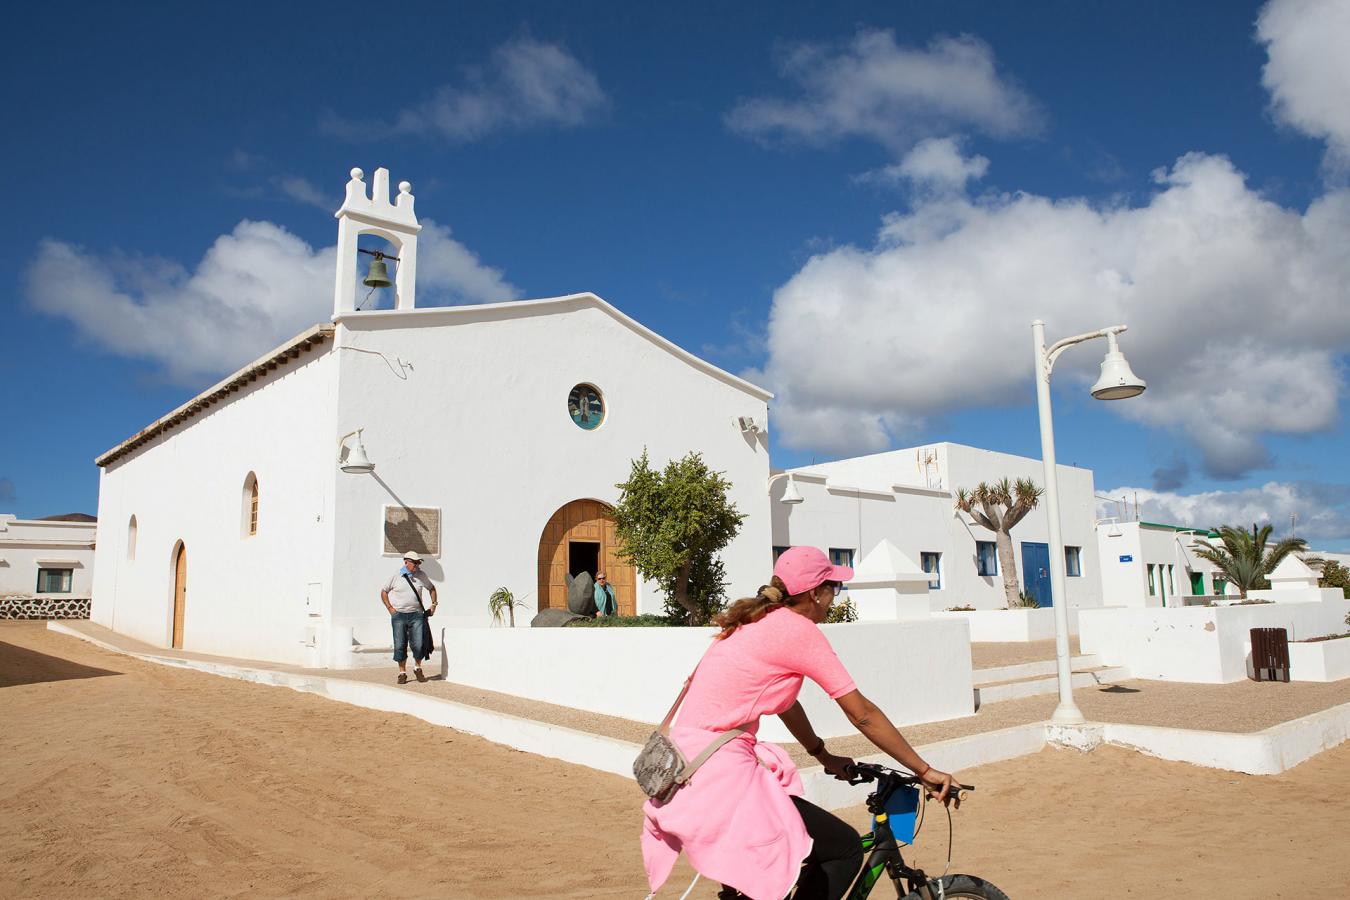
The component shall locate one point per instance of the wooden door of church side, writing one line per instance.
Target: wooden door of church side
(179, 596)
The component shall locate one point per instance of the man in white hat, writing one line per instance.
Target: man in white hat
(402, 596)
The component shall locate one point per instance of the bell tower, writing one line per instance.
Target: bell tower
(395, 222)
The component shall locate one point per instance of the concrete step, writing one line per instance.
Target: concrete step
(1032, 669)
(1034, 686)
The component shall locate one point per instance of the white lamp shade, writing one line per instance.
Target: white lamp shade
(357, 463)
(1117, 381)
(790, 493)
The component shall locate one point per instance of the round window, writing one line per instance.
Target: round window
(586, 406)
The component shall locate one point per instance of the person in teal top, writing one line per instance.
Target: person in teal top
(604, 597)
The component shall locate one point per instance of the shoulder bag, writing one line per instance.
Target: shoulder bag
(661, 769)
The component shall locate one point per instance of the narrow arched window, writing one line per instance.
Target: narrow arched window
(249, 511)
(131, 538)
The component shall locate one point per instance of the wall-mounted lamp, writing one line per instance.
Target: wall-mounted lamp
(791, 495)
(354, 460)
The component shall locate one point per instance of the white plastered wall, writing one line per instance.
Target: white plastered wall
(247, 596)
(855, 503)
(1125, 580)
(480, 429)
(27, 545)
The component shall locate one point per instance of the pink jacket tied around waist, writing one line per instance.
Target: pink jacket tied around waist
(735, 819)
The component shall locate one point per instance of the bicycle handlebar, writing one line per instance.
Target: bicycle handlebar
(864, 773)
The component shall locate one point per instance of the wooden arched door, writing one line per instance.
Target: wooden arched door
(573, 534)
(180, 594)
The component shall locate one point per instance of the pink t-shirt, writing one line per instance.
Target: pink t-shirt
(758, 671)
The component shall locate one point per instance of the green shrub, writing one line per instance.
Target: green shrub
(643, 621)
(842, 611)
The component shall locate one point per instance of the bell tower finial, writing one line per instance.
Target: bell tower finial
(374, 214)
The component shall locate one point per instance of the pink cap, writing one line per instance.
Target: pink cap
(805, 568)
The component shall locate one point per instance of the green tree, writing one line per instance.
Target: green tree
(1244, 557)
(1335, 575)
(672, 524)
(999, 507)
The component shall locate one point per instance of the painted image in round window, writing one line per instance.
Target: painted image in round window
(586, 406)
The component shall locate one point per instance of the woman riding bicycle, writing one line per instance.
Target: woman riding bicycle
(741, 819)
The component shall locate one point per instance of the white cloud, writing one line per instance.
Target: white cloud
(1323, 510)
(874, 88)
(527, 83)
(302, 190)
(1308, 68)
(253, 288)
(933, 164)
(1236, 306)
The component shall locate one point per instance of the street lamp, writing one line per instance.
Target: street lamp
(1117, 382)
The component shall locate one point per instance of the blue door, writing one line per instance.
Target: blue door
(1036, 572)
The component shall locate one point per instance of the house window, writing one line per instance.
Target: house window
(131, 539)
(1220, 586)
(54, 581)
(1197, 584)
(932, 564)
(986, 558)
(586, 406)
(1073, 561)
(1152, 584)
(248, 513)
(1171, 580)
(778, 551)
(841, 556)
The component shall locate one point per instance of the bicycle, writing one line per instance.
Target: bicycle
(884, 850)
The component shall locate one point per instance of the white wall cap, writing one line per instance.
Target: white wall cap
(376, 209)
(875, 493)
(921, 490)
(515, 309)
(1293, 571)
(74, 563)
(886, 565)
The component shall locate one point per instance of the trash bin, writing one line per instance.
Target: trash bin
(1270, 654)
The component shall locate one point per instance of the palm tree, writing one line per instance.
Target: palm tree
(1244, 558)
(999, 507)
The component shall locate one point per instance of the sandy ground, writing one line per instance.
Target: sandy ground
(125, 779)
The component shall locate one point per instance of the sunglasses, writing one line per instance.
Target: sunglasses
(835, 586)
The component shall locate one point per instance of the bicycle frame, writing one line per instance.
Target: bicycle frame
(885, 858)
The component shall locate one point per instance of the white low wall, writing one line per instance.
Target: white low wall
(916, 671)
(1320, 660)
(1202, 644)
(1010, 625)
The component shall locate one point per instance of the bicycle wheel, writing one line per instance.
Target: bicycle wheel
(961, 886)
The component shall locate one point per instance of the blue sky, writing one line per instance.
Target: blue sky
(860, 208)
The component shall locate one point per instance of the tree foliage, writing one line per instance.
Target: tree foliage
(1245, 558)
(1335, 575)
(999, 507)
(672, 524)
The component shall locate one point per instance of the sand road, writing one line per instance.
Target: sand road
(120, 778)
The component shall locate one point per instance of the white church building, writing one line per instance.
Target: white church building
(497, 434)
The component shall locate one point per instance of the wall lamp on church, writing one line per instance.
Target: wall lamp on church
(353, 460)
(791, 495)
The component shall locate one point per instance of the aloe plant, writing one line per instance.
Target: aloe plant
(502, 600)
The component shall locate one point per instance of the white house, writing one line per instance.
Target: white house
(497, 435)
(1148, 564)
(907, 497)
(46, 566)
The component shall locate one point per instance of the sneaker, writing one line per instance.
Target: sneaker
(402, 677)
(420, 677)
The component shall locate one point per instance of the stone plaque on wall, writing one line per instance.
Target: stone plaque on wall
(412, 528)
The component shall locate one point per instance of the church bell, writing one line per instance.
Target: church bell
(378, 276)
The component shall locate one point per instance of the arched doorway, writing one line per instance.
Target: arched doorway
(580, 536)
(180, 593)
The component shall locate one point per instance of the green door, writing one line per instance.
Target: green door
(1197, 584)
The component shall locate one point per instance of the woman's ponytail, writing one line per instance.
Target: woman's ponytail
(751, 609)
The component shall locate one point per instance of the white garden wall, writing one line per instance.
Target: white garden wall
(915, 671)
(1010, 625)
(1202, 644)
(1319, 660)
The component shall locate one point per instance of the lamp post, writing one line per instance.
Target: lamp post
(1117, 382)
